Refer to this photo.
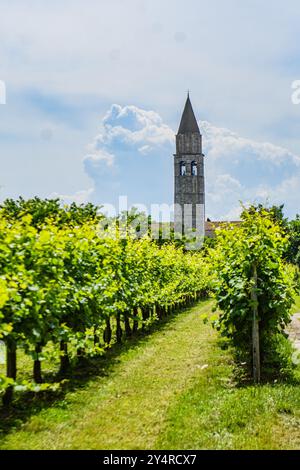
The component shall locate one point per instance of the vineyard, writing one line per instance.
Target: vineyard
(65, 282)
(76, 293)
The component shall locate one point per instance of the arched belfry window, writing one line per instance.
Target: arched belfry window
(182, 168)
(194, 169)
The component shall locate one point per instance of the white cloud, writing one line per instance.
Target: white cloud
(242, 169)
(232, 214)
(133, 127)
(147, 53)
(223, 143)
(99, 157)
(237, 168)
(80, 197)
(131, 155)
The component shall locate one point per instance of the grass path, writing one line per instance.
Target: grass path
(172, 389)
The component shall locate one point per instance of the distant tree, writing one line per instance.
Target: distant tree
(293, 251)
(276, 213)
(42, 210)
(290, 227)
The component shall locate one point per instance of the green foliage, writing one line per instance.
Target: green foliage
(63, 279)
(275, 213)
(41, 210)
(291, 229)
(278, 354)
(177, 389)
(259, 241)
(293, 251)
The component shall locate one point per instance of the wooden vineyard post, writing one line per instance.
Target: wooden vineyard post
(119, 329)
(135, 320)
(11, 370)
(127, 325)
(64, 358)
(255, 328)
(107, 332)
(37, 369)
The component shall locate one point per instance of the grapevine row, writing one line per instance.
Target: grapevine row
(63, 280)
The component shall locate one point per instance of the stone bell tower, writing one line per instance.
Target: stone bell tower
(189, 190)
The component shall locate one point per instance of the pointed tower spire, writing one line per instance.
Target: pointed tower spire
(189, 187)
(188, 121)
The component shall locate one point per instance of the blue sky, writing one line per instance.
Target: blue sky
(95, 90)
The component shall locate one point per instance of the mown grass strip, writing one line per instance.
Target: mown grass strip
(174, 389)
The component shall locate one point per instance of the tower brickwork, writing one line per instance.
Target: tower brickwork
(189, 186)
